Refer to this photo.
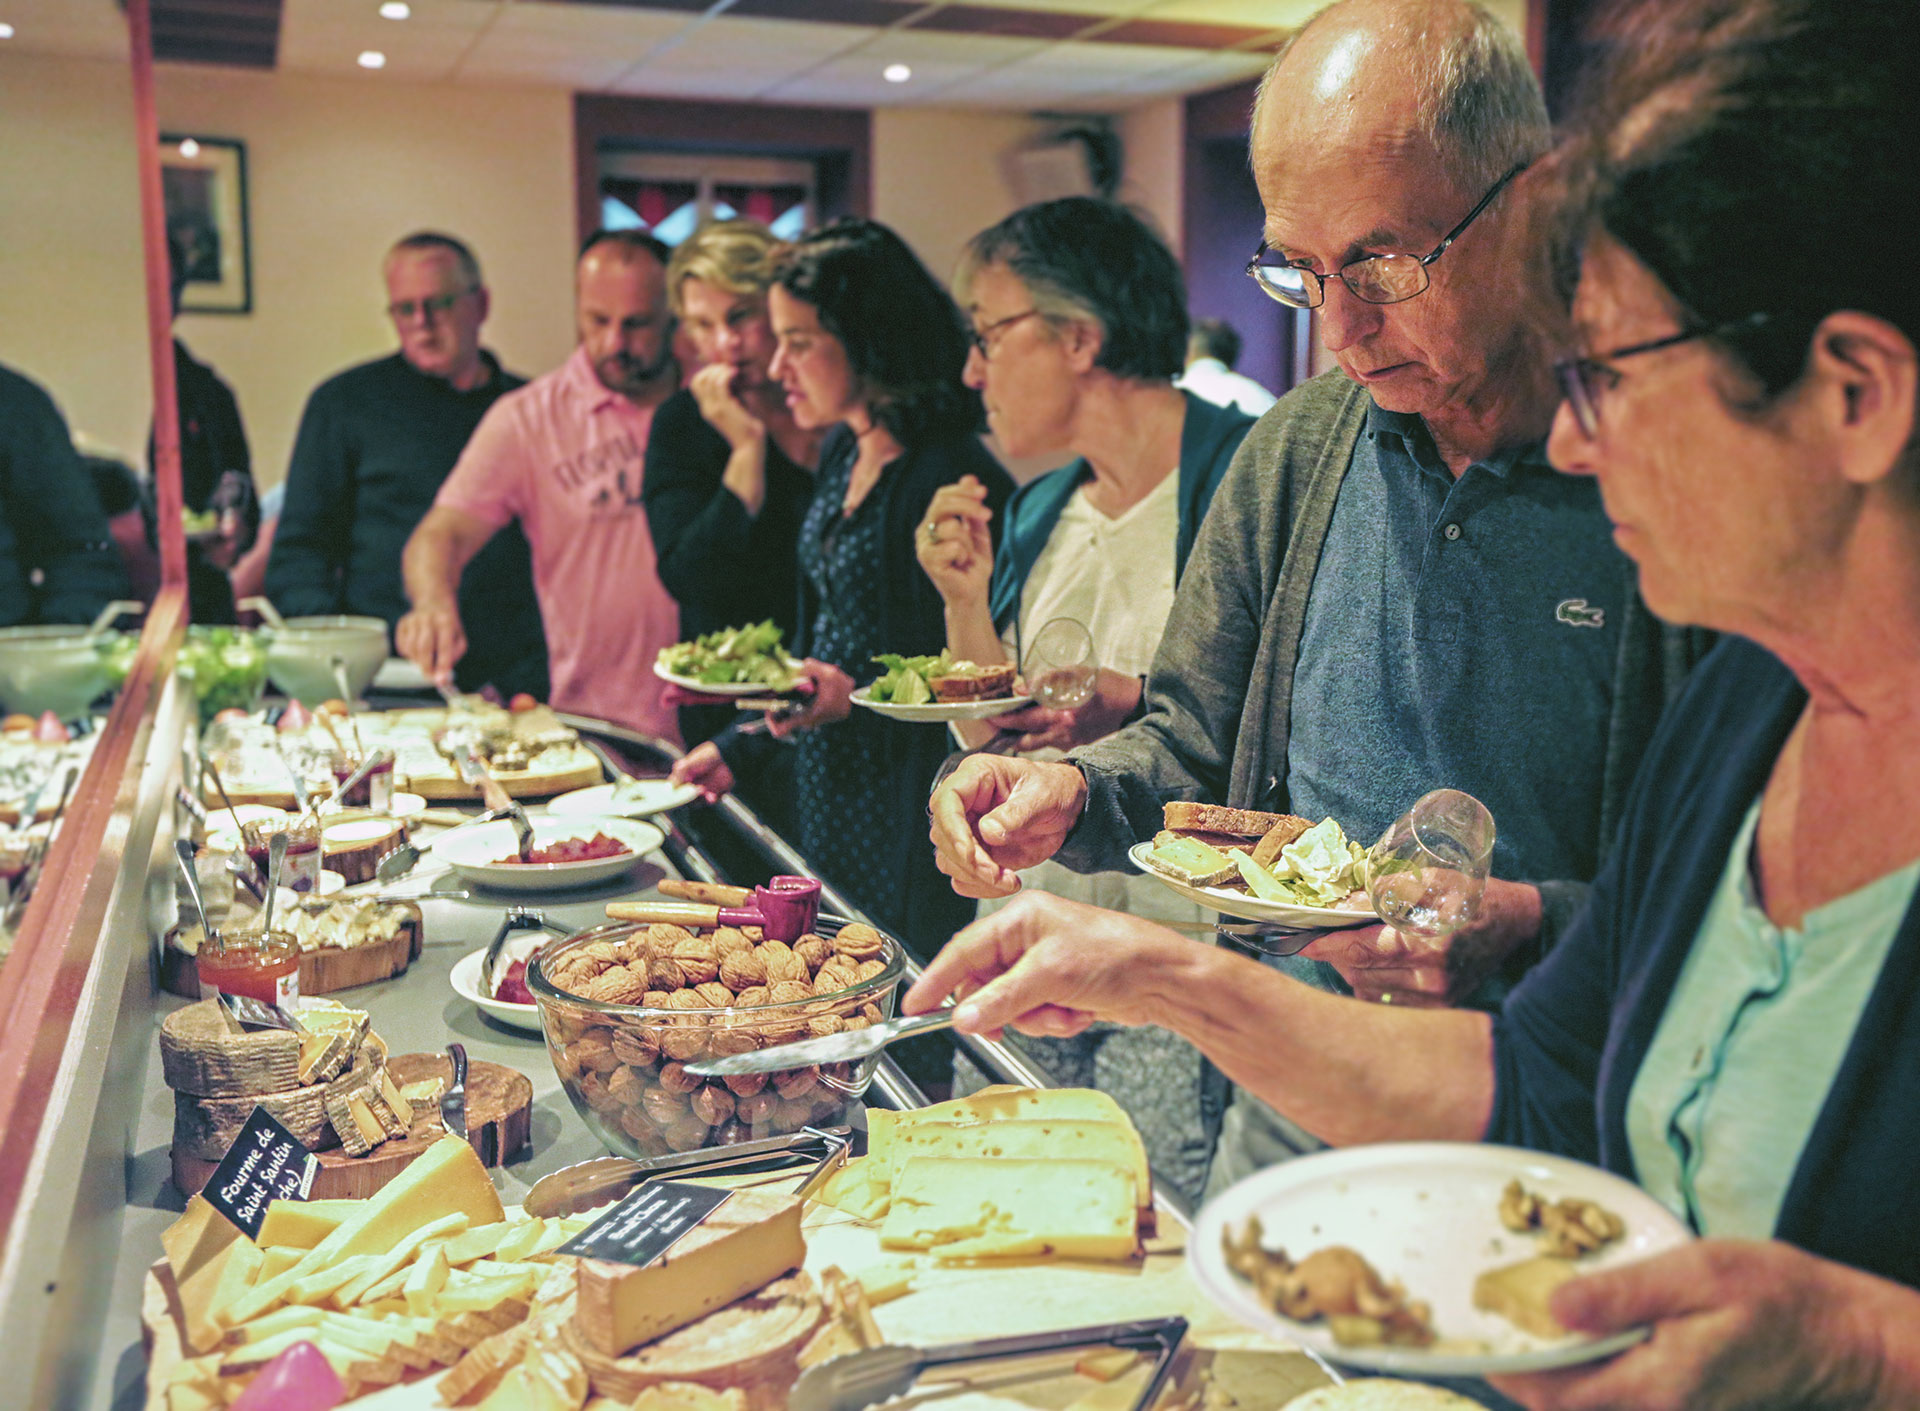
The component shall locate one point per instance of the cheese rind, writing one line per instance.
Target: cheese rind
(748, 1242)
(973, 1208)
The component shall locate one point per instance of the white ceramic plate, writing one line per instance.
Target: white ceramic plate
(1248, 907)
(474, 852)
(936, 711)
(399, 674)
(642, 798)
(1426, 1214)
(715, 688)
(466, 982)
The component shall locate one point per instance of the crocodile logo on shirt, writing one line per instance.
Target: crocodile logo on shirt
(1575, 613)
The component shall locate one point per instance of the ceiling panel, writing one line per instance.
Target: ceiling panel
(1254, 14)
(93, 29)
(329, 39)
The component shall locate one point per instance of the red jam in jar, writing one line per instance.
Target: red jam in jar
(262, 965)
(300, 869)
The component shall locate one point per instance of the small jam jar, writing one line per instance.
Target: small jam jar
(300, 869)
(375, 792)
(262, 965)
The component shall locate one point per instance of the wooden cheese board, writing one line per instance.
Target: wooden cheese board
(322, 972)
(498, 1098)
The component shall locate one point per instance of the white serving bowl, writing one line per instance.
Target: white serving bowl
(300, 655)
(475, 853)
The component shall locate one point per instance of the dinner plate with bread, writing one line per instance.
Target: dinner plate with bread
(942, 688)
(1273, 868)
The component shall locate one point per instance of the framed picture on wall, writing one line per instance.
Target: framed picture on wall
(203, 181)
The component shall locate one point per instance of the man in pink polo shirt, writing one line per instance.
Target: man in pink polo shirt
(563, 456)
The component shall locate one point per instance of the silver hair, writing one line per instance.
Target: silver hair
(1478, 100)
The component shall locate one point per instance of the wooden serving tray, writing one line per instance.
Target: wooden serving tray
(518, 783)
(497, 1097)
(321, 971)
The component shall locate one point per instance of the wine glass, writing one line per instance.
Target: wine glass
(1428, 873)
(1060, 666)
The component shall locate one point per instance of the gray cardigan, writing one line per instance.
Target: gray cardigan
(1219, 699)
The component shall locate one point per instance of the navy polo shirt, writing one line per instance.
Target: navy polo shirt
(1461, 633)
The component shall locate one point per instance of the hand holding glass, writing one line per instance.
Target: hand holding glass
(1060, 666)
(1428, 873)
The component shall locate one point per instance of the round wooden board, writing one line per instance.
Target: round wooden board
(321, 971)
(497, 1097)
(519, 784)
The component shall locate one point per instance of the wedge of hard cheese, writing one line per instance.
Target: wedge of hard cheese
(983, 1208)
(1113, 1143)
(995, 1104)
(748, 1242)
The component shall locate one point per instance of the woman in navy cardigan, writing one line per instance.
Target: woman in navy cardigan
(1734, 1022)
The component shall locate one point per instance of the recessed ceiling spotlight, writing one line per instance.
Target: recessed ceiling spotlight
(6, 30)
(189, 148)
(896, 73)
(395, 10)
(372, 59)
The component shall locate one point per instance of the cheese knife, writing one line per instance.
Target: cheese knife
(834, 1048)
(860, 1379)
(587, 1184)
(453, 1102)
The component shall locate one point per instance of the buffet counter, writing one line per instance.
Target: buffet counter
(98, 1189)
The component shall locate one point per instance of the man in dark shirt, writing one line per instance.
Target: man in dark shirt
(50, 520)
(375, 443)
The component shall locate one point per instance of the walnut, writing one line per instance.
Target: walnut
(595, 1051)
(754, 934)
(796, 1082)
(732, 1133)
(698, 960)
(830, 983)
(602, 953)
(684, 1039)
(617, 985)
(753, 996)
(729, 939)
(757, 1109)
(597, 1094)
(567, 1024)
(687, 1134)
(824, 1026)
(638, 1048)
(685, 998)
(745, 1084)
(838, 973)
(814, 950)
(629, 948)
(854, 1022)
(859, 941)
(627, 1086)
(741, 970)
(792, 1116)
(656, 999)
(662, 1107)
(634, 1123)
(664, 973)
(564, 1063)
(675, 1078)
(713, 1105)
(869, 969)
(728, 1041)
(790, 992)
(714, 995)
(663, 936)
(871, 1013)
(782, 963)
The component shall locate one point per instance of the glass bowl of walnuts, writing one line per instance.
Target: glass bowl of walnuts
(627, 1005)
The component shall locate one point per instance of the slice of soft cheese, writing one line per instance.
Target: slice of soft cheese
(972, 1208)
(1028, 1139)
(748, 1242)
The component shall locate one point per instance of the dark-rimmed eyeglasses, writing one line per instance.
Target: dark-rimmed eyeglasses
(1378, 279)
(403, 310)
(1582, 380)
(978, 337)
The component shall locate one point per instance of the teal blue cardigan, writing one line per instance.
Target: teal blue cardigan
(1208, 439)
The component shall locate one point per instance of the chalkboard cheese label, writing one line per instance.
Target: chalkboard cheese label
(647, 1223)
(265, 1163)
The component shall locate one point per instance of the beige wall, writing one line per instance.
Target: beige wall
(1155, 137)
(337, 168)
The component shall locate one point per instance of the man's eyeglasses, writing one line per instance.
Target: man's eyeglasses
(404, 310)
(1378, 279)
(1583, 380)
(979, 336)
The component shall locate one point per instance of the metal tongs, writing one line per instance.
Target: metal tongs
(475, 773)
(513, 920)
(587, 1184)
(860, 1379)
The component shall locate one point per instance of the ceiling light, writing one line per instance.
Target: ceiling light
(372, 59)
(6, 30)
(395, 10)
(896, 73)
(189, 148)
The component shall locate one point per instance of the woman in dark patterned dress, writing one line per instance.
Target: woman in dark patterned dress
(872, 345)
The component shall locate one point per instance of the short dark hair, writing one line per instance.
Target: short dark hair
(436, 240)
(1215, 338)
(629, 240)
(1728, 143)
(1084, 258)
(904, 337)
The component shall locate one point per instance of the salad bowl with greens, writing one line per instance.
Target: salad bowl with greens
(735, 661)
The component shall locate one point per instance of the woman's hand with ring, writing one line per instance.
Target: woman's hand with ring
(958, 559)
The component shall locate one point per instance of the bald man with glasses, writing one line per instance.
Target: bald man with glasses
(377, 441)
(1393, 590)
